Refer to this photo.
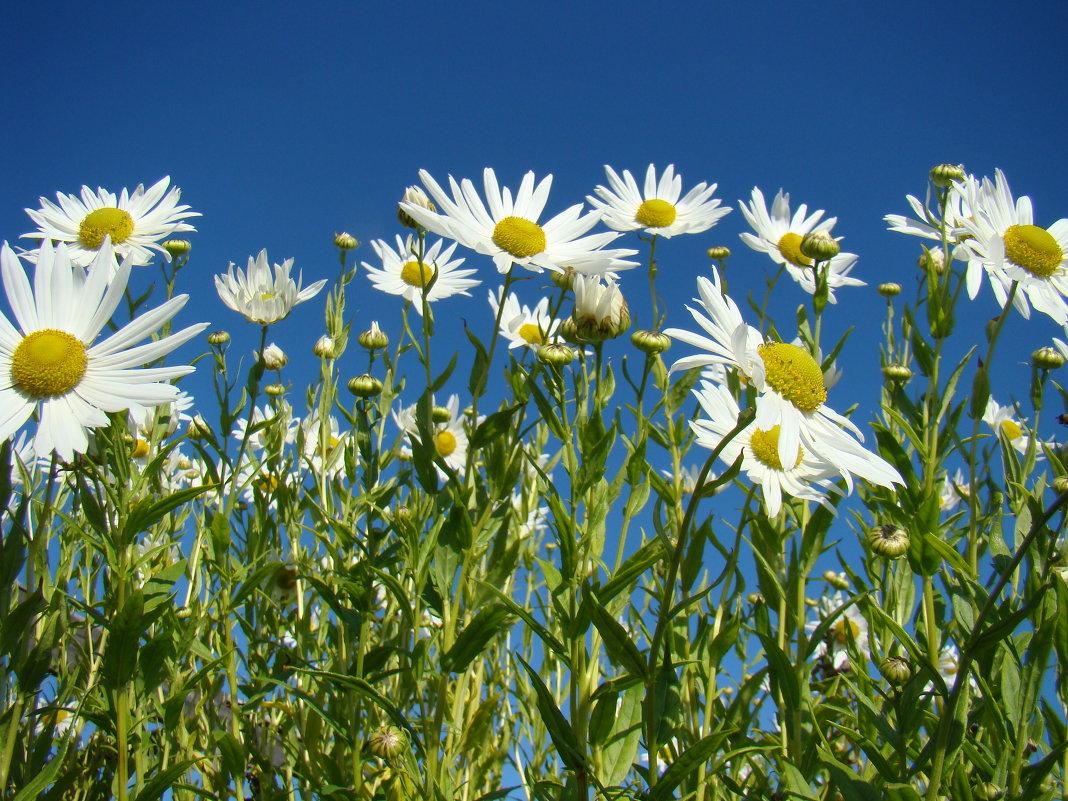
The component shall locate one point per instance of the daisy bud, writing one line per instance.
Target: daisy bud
(1047, 359)
(1060, 485)
(932, 261)
(184, 613)
(987, 791)
(945, 174)
(198, 427)
(719, 253)
(275, 390)
(755, 598)
(556, 354)
(387, 742)
(569, 331)
(650, 341)
(218, 338)
(836, 580)
(345, 241)
(373, 338)
(897, 372)
(439, 414)
(565, 279)
(417, 197)
(365, 386)
(273, 357)
(402, 515)
(324, 347)
(600, 311)
(177, 247)
(819, 246)
(889, 290)
(889, 541)
(184, 464)
(896, 670)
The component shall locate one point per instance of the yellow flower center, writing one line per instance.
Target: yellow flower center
(793, 373)
(1011, 429)
(415, 273)
(656, 213)
(790, 248)
(445, 442)
(98, 224)
(48, 363)
(765, 447)
(519, 237)
(1034, 249)
(140, 449)
(532, 333)
(844, 629)
(267, 296)
(266, 483)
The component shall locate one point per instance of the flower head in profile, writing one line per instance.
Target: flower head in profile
(450, 439)
(135, 222)
(779, 235)
(808, 477)
(1003, 421)
(507, 228)
(50, 364)
(403, 273)
(261, 295)
(850, 626)
(954, 490)
(1004, 243)
(659, 208)
(928, 223)
(600, 311)
(521, 325)
(791, 392)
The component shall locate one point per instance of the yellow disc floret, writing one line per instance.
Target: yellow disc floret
(140, 449)
(793, 373)
(98, 224)
(532, 334)
(415, 273)
(656, 213)
(790, 248)
(521, 238)
(1034, 249)
(48, 363)
(1011, 429)
(765, 447)
(445, 442)
(844, 629)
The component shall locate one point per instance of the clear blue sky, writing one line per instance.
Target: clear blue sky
(283, 123)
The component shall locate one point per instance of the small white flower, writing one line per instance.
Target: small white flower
(260, 296)
(849, 626)
(1004, 423)
(521, 325)
(402, 273)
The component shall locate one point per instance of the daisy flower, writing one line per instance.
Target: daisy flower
(807, 476)
(282, 427)
(50, 365)
(779, 235)
(403, 274)
(954, 490)
(791, 392)
(600, 310)
(928, 225)
(658, 209)
(135, 222)
(521, 325)
(850, 625)
(1061, 345)
(509, 231)
(326, 458)
(1002, 420)
(260, 296)
(1005, 243)
(450, 439)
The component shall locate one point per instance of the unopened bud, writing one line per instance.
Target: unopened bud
(650, 341)
(416, 197)
(719, 253)
(556, 354)
(819, 246)
(897, 372)
(177, 247)
(218, 338)
(1047, 358)
(889, 541)
(439, 414)
(345, 241)
(896, 669)
(755, 598)
(374, 338)
(945, 174)
(198, 427)
(932, 261)
(387, 742)
(324, 347)
(987, 791)
(1060, 485)
(273, 357)
(275, 390)
(889, 290)
(565, 278)
(836, 580)
(568, 329)
(365, 386)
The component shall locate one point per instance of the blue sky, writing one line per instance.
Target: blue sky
(283, 125)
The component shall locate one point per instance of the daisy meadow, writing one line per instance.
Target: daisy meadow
(779, 235)
(51, 366)
(521, 325)
(509, 231)
(791, 393)
(658, 208)
(1005, 243)
(402, 273)
(260, 296)
(806, 477)
(135, 222)
(450, 439)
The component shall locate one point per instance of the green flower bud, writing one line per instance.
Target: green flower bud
(565, 279)
(218, 338)
(365, 386)
(650, 341)
(345, 241)
(889, 290)
(275, 390)
(719, 253)
(417, 197)
(387, 742)
(439, 414)
(177, 247)
(889, 541)
(755, 598)
(1047, 358)
(819, 246)
(374, 338)
(896, 669)
(324, 347)
(1060, 484)
(556, 354)
(836, 580)
(945, 174)
(897, 372)
(987, 791)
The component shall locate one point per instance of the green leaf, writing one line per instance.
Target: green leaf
(124, 638)
(980, 394)
(493, 427)
(34, 788)
(560, 731)
(686, 765)
(621, 749)
(162, 781)
(617, 642)
(149, 511)
(543, 633)
(636, 564)
(473, 640)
